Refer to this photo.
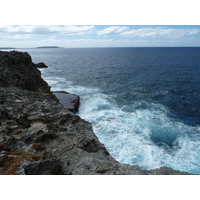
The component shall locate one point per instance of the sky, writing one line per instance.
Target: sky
(75, 36)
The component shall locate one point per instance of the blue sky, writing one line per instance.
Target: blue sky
(72, 36)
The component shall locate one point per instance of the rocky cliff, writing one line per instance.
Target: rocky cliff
(38, 135)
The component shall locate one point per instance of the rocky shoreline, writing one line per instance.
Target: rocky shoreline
(38, 135)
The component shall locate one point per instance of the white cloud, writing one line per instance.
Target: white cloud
(82, 42)
(163, 32)
(112, 30)
(67, 30)
(45, 29)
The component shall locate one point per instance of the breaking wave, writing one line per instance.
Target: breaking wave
(146, 136)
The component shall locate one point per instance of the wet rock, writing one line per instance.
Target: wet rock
(69, 101)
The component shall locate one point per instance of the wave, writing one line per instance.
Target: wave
(147, 137)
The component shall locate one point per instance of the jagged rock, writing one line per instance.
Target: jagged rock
(17, 69)
(38, 135)
(68, 100)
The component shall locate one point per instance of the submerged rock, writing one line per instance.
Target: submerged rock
(38, 135)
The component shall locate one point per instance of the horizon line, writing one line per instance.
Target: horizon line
(57, 47)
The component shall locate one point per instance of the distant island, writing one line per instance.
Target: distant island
(7, 47)
(49, 47)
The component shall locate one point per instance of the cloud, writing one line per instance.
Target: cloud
(45, 29)
(160, 32)
(82, 42)
(71, 30)
(112, 30)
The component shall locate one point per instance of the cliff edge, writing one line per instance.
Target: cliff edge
(39, 136)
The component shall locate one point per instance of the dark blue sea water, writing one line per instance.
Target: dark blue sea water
(143, 103)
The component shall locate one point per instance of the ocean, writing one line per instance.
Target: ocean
(143, 103)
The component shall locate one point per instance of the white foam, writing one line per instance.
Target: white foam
(131, 137)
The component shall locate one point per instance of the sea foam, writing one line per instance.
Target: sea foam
(146, 137)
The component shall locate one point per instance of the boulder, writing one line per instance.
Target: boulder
(41, 65)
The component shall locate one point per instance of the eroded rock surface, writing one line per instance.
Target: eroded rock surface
(38, 135)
